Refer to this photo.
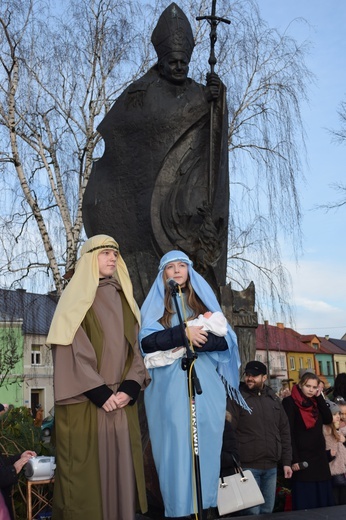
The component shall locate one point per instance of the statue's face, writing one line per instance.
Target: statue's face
(174, 67)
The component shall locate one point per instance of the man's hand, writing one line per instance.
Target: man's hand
(288, 471)
(25, 456)
(110, 404)
(115, 401)
(122, 399)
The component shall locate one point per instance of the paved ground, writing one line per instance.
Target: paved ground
(323, 513)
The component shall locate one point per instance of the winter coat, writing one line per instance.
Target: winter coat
(8, 477)
(263, 436)
(338, 464)
(308, 445)
(229, 450)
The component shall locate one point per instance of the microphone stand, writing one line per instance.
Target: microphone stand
(187, 364)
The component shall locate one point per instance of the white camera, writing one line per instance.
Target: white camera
(40, 468)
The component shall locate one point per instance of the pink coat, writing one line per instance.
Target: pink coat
(338, 465)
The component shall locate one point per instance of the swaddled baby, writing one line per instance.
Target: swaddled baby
(214, 322)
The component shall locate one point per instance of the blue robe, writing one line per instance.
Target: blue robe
(167, 402)
(167, 408)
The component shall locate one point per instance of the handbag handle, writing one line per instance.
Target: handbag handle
(238, 468)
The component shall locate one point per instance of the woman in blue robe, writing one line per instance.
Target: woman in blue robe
(167, 398)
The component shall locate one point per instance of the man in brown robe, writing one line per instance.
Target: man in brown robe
(98, 374)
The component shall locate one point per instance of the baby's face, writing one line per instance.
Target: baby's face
(207, 314)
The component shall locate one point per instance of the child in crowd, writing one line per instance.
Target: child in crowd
(335, 440)
(342, 406)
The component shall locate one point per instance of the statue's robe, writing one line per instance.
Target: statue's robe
(151, 189)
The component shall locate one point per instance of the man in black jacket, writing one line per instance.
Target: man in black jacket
(263, 436)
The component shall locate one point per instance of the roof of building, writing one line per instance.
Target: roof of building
(304, 338)
(341, 343)
(329, 346)
(286, 339)
(36, 310)
(278, 338)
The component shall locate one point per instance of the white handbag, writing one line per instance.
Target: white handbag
(237, 492)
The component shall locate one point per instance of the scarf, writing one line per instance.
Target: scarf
(307, 407)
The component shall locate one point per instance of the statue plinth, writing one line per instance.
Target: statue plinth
(239, 309)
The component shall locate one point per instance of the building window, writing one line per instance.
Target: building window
(292, 364)
(301, 364)
(320, 369)
(309, 363)
(329, 369)
(36, 354)
(282, 362)
(315, 346)
(337, 366)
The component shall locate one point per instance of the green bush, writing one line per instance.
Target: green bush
(18, 434)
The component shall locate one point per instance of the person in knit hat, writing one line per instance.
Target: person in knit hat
(335, 440)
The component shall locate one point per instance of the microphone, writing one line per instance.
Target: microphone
(303, 465)
(172, 283)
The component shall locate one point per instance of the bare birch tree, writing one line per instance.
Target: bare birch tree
(339, 137)
(60, 74)
(11, 352)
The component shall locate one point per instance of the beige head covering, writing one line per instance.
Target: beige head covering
(79, 294)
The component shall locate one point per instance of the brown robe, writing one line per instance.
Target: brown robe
(99, 473)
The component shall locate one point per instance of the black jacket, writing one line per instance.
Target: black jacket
(309, 445)
(263, 436)
(8, 477)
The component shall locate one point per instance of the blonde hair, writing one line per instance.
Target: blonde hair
(335, 432)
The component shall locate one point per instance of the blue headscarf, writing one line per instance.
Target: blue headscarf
(228, 362)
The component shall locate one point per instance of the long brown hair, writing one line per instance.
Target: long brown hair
(192, 300)
(305, 377)
(335, 432)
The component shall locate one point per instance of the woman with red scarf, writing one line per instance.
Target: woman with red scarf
(307, 411)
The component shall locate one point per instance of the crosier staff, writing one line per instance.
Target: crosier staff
(213, 21)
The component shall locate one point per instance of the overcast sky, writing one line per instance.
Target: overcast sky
(319, 283)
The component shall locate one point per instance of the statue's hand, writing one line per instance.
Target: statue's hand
(213, 85)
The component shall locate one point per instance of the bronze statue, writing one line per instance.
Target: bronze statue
(152, 188)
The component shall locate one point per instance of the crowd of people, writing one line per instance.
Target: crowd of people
(180, 350)
(181, 323)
